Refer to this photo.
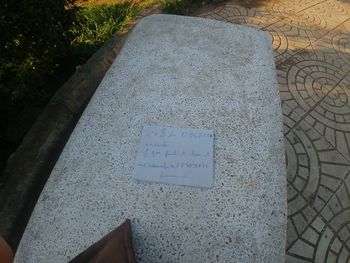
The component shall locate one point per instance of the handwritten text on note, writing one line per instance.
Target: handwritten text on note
(175, 156)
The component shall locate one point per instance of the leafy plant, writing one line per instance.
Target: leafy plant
(34, 42)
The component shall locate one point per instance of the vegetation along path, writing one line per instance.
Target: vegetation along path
(311, 41)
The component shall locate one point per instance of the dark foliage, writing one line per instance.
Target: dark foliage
(34, 43)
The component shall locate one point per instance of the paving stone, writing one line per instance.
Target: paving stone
(312, 53)
(290, 6)
(292, 259)
(304, 249)
(314, 167)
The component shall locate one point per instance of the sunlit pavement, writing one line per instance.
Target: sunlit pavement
(311, 41)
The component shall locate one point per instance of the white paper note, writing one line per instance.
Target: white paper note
(175, 156)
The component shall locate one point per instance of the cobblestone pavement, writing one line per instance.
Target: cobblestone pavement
(311, 41)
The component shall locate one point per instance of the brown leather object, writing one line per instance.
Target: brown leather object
(6, 255)
(115, 247)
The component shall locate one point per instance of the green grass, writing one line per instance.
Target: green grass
(96, 24)
(184, 7)
(99, 22)
(148, 3)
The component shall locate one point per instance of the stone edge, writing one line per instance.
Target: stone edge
(30, 166)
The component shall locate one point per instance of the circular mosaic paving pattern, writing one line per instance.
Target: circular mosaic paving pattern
(311, 42)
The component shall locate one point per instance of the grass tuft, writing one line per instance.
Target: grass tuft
(185, 7)
(96, 24)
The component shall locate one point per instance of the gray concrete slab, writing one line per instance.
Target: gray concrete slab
(180, 72)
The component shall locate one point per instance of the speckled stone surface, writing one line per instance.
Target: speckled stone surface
(181, 72)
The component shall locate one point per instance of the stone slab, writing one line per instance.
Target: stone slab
(181, 72)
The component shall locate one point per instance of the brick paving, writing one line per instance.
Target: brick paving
(311, 42)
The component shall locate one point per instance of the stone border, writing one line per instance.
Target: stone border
(30, 166)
